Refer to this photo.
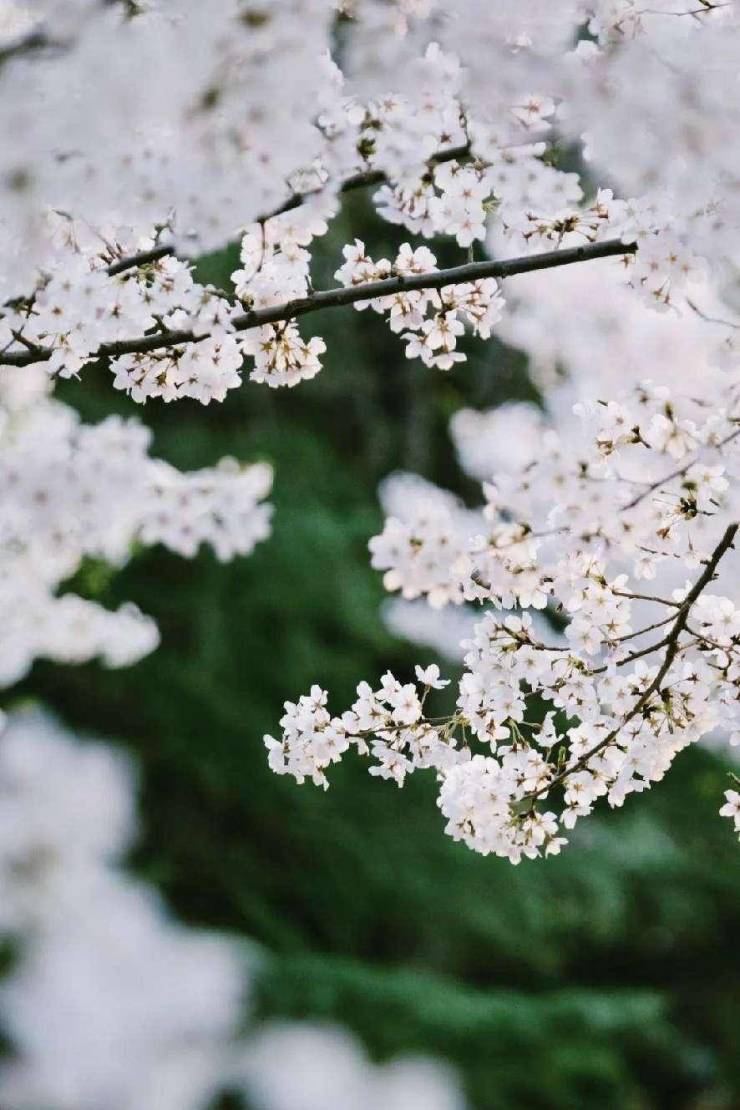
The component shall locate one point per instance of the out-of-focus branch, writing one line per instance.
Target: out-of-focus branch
(363, 180)
(31, 43)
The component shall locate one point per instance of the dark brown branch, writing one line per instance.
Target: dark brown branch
(339, 297)
(140, 259)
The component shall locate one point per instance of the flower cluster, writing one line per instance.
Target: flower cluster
(176, 149)
(435, 319)
(74, 492)
(385, 724)
(453, 200)
(247, 126)
(275, 269)
(328, 1068)
(425, 536)
(617, 522)
(452, 157)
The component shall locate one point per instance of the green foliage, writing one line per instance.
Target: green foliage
(560, 1048)
(600, 979)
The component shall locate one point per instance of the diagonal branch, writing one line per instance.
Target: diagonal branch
(31, 43)
(678, 473)
(671, 642)
(346, 295)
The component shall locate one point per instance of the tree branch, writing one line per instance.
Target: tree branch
(140, 259)
(671, 642)
(678, 473)
(339, 297)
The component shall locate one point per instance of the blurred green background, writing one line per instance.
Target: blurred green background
(604, 978)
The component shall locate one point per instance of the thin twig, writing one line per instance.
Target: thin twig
(714, 644)
(678, 473)
(646, 597)
(642, 631)
(711, 319)
(633, 655)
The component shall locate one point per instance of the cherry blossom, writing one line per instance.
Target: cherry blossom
(74, 492)
(604, 149)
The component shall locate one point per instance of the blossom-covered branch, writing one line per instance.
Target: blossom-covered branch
(627, 473)
(602, 712)
(74, 492)
(672, 644)
(382, 289)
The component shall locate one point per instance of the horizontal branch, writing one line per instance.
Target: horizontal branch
(435, 279)
(351, 294)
